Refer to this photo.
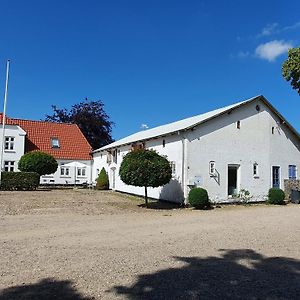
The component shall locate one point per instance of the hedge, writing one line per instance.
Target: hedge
(19, 181)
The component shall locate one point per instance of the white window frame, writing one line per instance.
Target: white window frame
(64, 171)
(9, 143)
(296, 175)
(173, 167)
(212, 168)
(81, 172)
(9, 166)
(255, 170)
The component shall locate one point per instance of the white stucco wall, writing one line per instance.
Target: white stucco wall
(19, 144)
(173, 151)
(70, 179)
(219, 140)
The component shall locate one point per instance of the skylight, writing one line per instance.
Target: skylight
(55, 142)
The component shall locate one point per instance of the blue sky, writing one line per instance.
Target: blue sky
(151, 62)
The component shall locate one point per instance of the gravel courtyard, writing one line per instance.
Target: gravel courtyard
(81, 244)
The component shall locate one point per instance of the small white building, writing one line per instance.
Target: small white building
(245, 146)
(65, 142)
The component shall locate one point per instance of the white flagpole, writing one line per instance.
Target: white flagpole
(4, 118)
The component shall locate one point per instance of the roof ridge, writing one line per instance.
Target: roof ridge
(41, 121)
(182, 124)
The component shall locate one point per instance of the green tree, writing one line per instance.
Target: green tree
(90, 117)
(39, 162)
(102, 180)
(291, 68)
(145, 168)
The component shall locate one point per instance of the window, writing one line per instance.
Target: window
(212, 168)
(164, 143)
(238, 124)
(9, 166)
(9, 143)
(137, 146)
(115, 156)
(292, 172)
(173, 167)
(55, 143)
(276, 177)
(64, 171)
(273, 130)
(255, 170)
(81, 172)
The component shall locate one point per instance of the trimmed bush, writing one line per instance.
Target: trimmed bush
(39, 162)
(102, 181)
(276, 196)
(145, 168)
(19, 181)
(198, 198)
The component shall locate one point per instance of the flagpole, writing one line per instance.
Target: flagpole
(4, 119)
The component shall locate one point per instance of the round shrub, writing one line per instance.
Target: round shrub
(39, 162)
(276, 196)
(102, 181)
(198, 198)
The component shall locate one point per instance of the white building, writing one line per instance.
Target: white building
(65, 142)
(245, 146)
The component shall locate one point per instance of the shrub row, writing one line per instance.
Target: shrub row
(19, 181)
(198, 197)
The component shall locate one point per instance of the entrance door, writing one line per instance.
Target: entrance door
(233, 180)
(276, 177)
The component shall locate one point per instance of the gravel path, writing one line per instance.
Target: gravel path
(101, 245)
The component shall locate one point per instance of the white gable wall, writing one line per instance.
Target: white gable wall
(19, 144)
(221, 141)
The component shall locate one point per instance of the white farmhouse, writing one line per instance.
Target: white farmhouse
(245, 146)
(65, 142)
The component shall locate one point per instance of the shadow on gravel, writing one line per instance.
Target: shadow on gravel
(161, 205)
(45, 289)
(237, 274)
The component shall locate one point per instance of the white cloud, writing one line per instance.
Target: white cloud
(271, 50)
(243, 54)
(275, 28)
(269, 29)
(144, 126)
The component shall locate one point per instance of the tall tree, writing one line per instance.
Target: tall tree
(291, 68)
(91, 118)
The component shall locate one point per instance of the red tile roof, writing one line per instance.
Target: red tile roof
(73, 144)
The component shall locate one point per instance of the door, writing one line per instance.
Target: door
(276, 177)
(233, 180)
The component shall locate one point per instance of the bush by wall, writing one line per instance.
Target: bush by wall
(198, 198)
(19, 181)
(102, 181)
(276, 196)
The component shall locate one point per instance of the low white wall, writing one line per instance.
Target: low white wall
(70, 179)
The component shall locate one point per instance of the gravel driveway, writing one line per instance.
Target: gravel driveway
(79, 244)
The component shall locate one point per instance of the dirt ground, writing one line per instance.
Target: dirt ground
(81, 244)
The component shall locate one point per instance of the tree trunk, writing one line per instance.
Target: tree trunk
(146, 196)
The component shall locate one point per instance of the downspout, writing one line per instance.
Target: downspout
(183, 166)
